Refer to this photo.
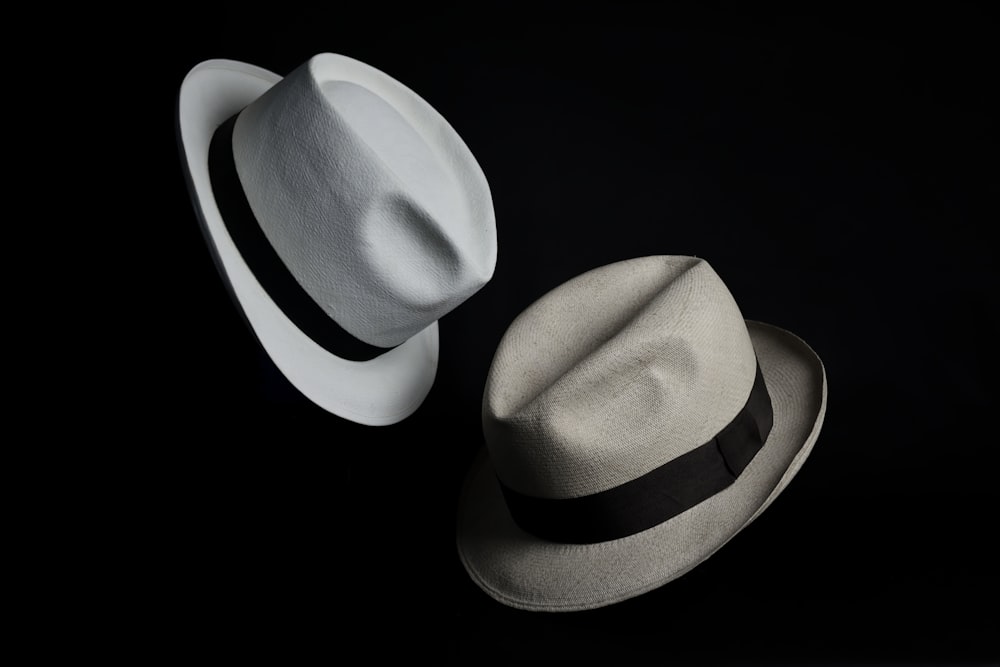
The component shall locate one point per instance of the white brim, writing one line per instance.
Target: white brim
(378, 392)
(523, 571)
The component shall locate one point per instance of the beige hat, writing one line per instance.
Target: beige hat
(634, 423)
(346, 216)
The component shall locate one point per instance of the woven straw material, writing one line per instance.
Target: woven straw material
(371, 200)
(611, 372)
(673, 325)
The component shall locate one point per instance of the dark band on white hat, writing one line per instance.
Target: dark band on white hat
(264, 261)
(657, 496)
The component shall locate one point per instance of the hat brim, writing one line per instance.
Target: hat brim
(523, 571)
(380, 391)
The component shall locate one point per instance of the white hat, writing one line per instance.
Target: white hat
(345, 214)
(634, 423)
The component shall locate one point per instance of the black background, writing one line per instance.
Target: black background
(837, 169)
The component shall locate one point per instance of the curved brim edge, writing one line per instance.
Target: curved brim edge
(381, 391)
(525, 572)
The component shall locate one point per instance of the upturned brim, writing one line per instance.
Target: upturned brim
(381, 391)
(523, 571)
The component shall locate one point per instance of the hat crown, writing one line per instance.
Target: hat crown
(369, 197)
(613, 374)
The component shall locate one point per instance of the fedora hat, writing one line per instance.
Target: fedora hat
(634, 422)
(346, 217)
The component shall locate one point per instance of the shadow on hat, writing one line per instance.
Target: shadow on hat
(346, 217)
(634, 423)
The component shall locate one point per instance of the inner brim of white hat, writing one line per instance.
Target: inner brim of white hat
(523, 571)
(379, 391)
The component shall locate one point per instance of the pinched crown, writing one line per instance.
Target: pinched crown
(613, 374)
(370, 198)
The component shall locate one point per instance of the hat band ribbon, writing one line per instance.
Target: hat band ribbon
(267, 267)
(657, 496)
